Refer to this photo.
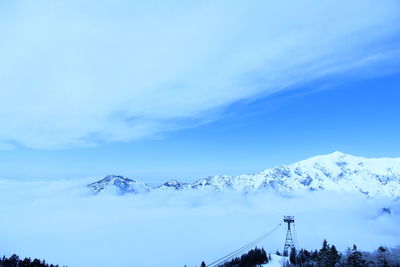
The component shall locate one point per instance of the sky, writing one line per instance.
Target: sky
(156, 91)
(160, 90)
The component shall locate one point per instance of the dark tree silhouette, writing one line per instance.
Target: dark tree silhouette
(252, 258)
(354, 258)
(327, 256)
(15, 261)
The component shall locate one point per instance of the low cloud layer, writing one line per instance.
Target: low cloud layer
(79, 73)
(64, 223)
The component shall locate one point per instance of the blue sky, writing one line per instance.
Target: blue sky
(167, 91)
(358, 117)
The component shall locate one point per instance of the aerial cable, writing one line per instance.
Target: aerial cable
(297, 246)
(245, 247)
(232, 254)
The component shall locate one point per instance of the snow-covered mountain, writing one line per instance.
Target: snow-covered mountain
(336, 171)
(120, 183)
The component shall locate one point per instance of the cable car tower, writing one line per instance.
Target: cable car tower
(289, 242)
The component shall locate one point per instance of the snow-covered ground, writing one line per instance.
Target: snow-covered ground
(276, 261)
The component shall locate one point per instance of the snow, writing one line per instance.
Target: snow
(335, 172)
(276, 261)
(121, 183)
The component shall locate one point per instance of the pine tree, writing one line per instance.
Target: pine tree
(334, 256)
(327, 256)
(382, 257)
(292, 256)
(322, 258)
(304, 255)
(354, 258)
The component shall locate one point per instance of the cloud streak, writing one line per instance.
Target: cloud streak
(82, 74)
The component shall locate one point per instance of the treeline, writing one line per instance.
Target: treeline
(254, 257)
(15, 261)
(328, 256)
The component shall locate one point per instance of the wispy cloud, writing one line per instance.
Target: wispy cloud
(79, 74)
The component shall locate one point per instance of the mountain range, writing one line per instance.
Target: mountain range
(374, 177)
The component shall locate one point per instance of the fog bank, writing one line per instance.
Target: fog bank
(66, 224)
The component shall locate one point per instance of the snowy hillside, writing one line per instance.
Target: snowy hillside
(336, 172)
(276, 261)
(119, 183)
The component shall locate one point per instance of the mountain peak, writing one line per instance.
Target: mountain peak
(337, 154)
(336, 172)
(334, 155)
(330, 160)
(122, 183)
(116, 176)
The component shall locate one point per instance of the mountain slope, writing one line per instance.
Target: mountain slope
(336, 171)
(120, 183)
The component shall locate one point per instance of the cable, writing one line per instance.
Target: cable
(232, 254)
(297, 245)
(244, 247)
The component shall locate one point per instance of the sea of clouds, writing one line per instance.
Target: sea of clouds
(64, 223)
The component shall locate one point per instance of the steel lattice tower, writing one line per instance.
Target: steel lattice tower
(289, 242)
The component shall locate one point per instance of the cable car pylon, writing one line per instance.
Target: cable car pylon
(289, 241)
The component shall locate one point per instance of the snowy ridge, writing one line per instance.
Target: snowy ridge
(121, 183)
(336, 172)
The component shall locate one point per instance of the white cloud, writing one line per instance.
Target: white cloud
(61, 222)
(78, 74)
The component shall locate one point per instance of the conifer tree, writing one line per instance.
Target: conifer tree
(334, 255)
(382, 257)
(292, 256)
(354, 258)
(327, 256)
